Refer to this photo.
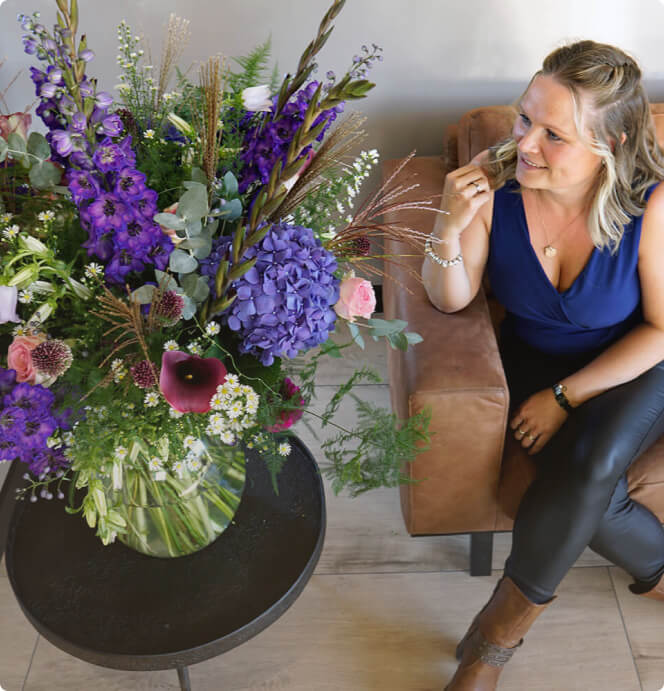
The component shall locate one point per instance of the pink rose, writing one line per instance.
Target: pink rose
(356, 299)
(17, 123)
(19, 357)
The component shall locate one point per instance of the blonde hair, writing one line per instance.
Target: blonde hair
(609, 99)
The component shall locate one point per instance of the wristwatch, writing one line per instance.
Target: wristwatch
(559, 393)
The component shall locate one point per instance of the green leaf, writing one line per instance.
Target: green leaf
(197, 175)
(189, 309)
(383, 327)
(3, 149)
(143, 294)
(230, 184)
(182, 262)
(330, 348)
(38, 146)
(231, 211)
(413, 337)
(398, 341)
(355, 333)
(165, 281)
(169, 221)
(193, 226)
(17, 144)
(44, 174)
(193, 203)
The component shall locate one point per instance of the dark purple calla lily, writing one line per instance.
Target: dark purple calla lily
(188, 382)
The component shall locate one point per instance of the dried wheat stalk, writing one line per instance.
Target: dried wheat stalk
(176, 38)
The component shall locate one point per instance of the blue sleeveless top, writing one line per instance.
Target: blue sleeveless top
(602, 304)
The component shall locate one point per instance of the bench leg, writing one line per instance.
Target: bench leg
(481, 551)
(183, 676)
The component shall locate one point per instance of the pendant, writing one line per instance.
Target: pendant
(550, 251)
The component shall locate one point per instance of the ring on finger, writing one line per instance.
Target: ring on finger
(477, 186)
(532, 437)
(521, 431)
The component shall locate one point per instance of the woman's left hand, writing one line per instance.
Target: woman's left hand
(536, 420)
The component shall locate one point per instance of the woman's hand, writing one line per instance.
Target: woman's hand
(466, 190)
(536, 420)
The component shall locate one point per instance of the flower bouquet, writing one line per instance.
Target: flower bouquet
(173, 266)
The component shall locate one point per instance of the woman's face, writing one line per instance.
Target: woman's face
(551, 154)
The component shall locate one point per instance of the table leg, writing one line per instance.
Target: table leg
(183, 676)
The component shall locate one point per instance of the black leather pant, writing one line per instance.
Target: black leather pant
(579, 497)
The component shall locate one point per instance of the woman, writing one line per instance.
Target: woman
(568, 217)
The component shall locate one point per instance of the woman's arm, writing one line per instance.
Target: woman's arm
(643, 346)
(463, 230)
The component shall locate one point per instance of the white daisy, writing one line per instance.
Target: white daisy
(235, 410)
(148, 134)
(232, 379)
(5, 218)
(94, 270)
(189, 441)
(180, 468)
(175, 414)
(171, 345)
(25, 296)
(151, 399)
(284, 448)
(227, 437)
(120, 453)
(217, 401)
(155, 464)
(212, 328)
(194, 348)
(194, 464)
(45, 216)
(11, 232)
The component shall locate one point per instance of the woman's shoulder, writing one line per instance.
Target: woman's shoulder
(652, 222)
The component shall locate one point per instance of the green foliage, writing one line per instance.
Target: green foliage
(253, 68)
(373, 454)
(164, 168)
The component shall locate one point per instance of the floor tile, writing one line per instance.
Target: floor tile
(397, 632)
(17, 637)
(644, 621)
(54, 670)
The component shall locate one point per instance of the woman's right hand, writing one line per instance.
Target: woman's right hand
(466, 189)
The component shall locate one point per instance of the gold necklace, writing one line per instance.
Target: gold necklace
(549, 249)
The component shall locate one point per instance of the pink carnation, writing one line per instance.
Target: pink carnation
(356, 299)
(288, 416)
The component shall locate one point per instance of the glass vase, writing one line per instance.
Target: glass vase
(171, 514)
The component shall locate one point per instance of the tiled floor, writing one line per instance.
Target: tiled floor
(384, 612)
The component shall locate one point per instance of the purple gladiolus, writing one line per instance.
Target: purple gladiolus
(8, 298)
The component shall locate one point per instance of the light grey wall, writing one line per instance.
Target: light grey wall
(442, 57)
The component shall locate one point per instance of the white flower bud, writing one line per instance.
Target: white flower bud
(257, 98)
(33, 244)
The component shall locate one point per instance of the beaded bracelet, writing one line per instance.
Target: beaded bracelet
(428, 250)
(562, 400)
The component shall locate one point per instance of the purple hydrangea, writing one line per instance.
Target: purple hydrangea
(268, 140)
(27, 420)
(284, 302)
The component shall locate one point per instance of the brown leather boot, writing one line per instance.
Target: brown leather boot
(496, 632)
(656, 593)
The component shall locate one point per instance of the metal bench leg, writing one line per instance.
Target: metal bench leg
(183, 676)
(481, 551)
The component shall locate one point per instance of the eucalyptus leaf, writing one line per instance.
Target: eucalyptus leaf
(193, 203)
(189, 309)
(3, 149)
(413, 337)
(193, 226)
(398, 340)
(202, 291)
(182, 262)
(165, 281)
(355, 334)
(212, 226)
(18, 147)
(169, 221)
(189, 283)
(143, 294)
(44, 174)
(231, 210)
(38, 146)
(197, 175)
(230, 184)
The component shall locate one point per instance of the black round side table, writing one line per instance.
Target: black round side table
(117, 608)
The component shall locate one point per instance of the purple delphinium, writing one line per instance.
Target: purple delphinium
(268, 140)
(115, 207)
(284, 302)
(27, 420)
